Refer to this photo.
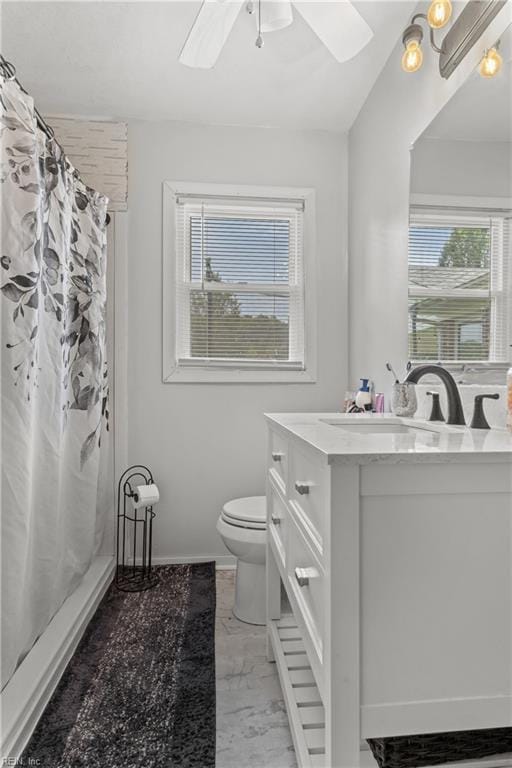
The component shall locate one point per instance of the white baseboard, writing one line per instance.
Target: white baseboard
(29, 690)
(413, 717)
(222, 562)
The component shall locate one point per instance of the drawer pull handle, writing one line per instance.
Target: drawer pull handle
(303, 575)
(276, 520)
(302, 488)
(277, 456)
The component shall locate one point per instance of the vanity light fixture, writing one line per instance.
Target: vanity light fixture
(491, 62)
(466, 30)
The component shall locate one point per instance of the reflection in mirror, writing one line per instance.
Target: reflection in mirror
(460, 270)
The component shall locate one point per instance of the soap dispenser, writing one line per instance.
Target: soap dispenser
(364, 396)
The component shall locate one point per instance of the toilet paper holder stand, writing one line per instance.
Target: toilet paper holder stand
(134, 543)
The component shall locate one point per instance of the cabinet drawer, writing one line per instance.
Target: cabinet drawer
(278, 459)
(309, 492)
(277, 521)
(306, 582)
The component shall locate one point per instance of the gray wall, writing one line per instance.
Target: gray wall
(206, 442)
(470, 168)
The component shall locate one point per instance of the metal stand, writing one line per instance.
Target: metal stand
(137, 575)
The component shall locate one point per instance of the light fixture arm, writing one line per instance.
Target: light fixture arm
(432, 39)
(433, 44)
(496, 47)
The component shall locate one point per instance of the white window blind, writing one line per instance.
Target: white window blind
(459, 290)
(240, 285)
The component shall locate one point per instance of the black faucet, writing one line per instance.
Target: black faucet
(479, 420)
(436, 413)
(455, 410)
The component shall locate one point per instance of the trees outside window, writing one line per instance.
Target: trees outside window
(457, 288)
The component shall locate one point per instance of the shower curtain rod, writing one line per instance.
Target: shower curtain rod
(8, 72)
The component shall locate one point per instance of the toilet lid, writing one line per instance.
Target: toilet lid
(250, 512)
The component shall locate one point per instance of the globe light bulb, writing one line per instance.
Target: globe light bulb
(413, 57)
(439, 13)
(491, 63)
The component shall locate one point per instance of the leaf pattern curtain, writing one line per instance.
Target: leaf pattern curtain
(54, 375)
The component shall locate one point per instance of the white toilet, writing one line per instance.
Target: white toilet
(242, 525)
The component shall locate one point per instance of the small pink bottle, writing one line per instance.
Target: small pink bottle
(379, 402)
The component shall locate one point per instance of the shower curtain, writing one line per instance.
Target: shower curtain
(55, 493)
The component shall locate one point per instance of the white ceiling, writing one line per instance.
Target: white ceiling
(120, 60)
(481, 110)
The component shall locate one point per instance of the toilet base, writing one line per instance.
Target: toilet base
(250, 593)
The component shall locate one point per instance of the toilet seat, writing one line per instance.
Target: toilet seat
(249, 512)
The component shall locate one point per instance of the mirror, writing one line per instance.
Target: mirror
(460, 271)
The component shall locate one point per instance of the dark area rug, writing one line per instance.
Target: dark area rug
(139, 691)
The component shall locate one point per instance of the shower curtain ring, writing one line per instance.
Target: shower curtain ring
(8, 69)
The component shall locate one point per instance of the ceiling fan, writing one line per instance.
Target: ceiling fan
(340, 27)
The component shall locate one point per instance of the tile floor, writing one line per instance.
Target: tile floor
(252, 727)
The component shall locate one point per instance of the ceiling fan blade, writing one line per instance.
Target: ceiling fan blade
(209, 32)
(339, 26)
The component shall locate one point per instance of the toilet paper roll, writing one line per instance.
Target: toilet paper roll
(145, 496)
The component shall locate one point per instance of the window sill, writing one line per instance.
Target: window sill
(209, 375)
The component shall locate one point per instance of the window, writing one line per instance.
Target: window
(459, 291)
(234, 303)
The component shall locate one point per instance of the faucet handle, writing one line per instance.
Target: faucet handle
(436, 413)
(479, 421)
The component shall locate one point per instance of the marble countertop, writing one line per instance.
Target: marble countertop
(369, 438)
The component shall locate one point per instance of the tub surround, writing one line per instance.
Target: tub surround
(392, 539)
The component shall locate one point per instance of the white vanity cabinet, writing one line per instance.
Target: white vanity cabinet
(395, 554)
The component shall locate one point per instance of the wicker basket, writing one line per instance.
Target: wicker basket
(437, 748)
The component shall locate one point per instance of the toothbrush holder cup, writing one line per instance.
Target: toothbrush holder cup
(403, 400)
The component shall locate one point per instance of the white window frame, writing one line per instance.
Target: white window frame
(231, 371)
(455, 207)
